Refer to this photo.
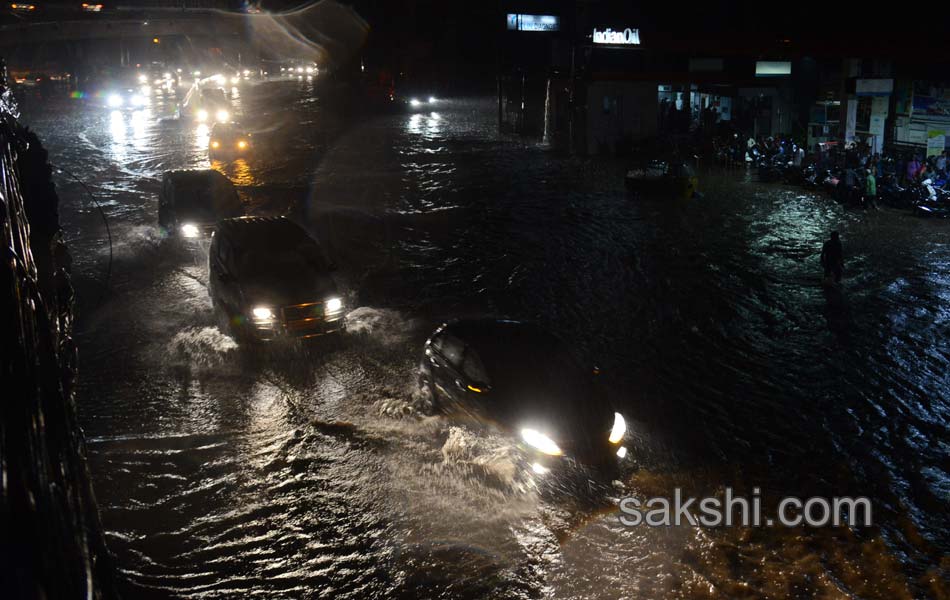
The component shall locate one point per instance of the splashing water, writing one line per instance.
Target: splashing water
(204, 347)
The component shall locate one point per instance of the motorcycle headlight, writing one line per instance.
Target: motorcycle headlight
(618, 430)
(262, 313)
(540, 442)
(334, 305)
(242, 145)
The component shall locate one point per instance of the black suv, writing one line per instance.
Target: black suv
(191, 202)
(268, 280)
(523, 381)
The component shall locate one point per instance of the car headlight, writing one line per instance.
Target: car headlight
(143, 78)
(215, 144)
(242, 144)
(414, 102)
(262, 313)
(333, 305)
(618, 430)
(222, 115)
(235, 80)
(202, 115)
(431, 99)
(114, 100)
(138, 100)
(189, 230)
(541, 442)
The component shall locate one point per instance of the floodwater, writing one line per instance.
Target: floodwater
(225, 472)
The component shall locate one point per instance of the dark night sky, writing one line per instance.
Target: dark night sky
(465, 34)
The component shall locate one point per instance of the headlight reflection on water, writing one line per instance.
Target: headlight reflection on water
(117, 127)
(426, 124)
(202, 135)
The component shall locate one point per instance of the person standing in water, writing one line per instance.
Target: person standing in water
(832, 258)
(870, 187)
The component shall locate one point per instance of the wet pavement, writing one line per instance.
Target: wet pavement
(223, 472)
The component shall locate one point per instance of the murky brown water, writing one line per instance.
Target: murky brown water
(225, 473)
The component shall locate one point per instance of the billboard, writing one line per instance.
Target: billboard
(772, 68)
(873, 87)
(930, 102)
(518, 22)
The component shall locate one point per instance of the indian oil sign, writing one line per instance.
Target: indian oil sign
(627, 37)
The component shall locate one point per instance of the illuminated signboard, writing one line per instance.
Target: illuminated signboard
(533, 23)
(772, 68)
(627, 37)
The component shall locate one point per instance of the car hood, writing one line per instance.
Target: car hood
(274, 291)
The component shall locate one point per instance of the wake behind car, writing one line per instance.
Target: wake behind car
(269, 280)
(191, 202)
(228, 141)
(523, 381)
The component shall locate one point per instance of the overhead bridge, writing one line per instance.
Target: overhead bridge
(194, 24)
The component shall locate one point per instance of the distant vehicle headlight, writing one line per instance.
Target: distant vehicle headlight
(114, 100)
(431, 99)
(414, 101)
(241, 145)
(235, 80)
(138, 100)
(143, 78)
(334, 305)
(215, 144)
(202, 115)
(539, 441)
(222, 115)
(618, 430)
(262, 313)
(189, 230)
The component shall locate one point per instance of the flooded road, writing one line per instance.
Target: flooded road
(224, 472)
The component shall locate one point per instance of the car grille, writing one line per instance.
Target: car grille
(305, 320)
